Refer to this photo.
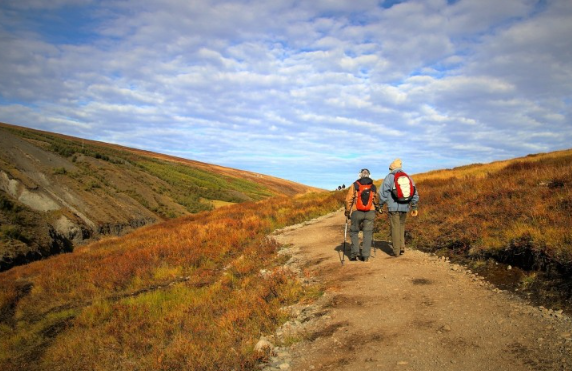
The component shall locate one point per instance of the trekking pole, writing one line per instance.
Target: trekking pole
(345, 238)
(346, 233)
(377, 211)
(373, 241)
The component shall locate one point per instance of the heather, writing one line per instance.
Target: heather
(188, 293)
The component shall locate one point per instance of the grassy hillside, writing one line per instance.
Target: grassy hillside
(517, 212)
(57, 191)
(186, 294)
(198, 291)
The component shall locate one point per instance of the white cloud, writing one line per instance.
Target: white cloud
(296, 89)
(475, 17)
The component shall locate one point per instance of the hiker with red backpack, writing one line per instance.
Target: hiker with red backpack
(361, 205)
(399, 192)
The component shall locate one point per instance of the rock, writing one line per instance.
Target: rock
(263, 345)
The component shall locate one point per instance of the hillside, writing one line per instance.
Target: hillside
(58, 191)
(193, 293)
(198, 292)
(509, 220)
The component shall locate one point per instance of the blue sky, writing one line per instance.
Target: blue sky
(310, 91)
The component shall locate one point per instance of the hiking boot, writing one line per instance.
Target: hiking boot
(366, 260)
(402, 252)
(353, 258)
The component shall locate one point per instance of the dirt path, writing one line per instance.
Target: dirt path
(416, 312)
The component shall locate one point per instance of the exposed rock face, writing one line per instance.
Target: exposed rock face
(58, 191)
(47, 242)
(71, 230)
(60, 211)
(36, 200)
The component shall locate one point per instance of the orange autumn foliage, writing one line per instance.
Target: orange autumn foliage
(184, 294)
(517, 211)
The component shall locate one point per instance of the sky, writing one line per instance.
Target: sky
(306, 90)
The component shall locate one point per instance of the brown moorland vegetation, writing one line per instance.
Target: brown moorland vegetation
(517, 212)
(197, 292)
(57, 191)
(192, 293)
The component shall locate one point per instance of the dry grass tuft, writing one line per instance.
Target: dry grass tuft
(184, 294)
(516, 211)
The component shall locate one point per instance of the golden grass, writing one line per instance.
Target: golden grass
(518, 211)
(185, 294)
(217, 203)
(483, 170)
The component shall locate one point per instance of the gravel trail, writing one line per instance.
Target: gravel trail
(415, 312)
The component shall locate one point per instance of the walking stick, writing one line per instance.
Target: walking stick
(345, 238)
(346, 231)
(378, 211)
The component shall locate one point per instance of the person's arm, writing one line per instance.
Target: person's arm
(376, 199)
(350, 198)
(414, 201)
(385, 191)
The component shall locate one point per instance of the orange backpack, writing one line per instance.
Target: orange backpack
(365, 193)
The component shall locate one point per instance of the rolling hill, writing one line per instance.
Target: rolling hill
(509, 220)
(58, 191)
(198, 291)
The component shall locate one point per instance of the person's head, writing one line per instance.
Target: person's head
(396, 164)
(364, 173)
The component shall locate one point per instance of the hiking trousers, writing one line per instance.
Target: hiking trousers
(397, 224)
(367, 217)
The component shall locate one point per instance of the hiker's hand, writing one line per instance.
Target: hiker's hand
(414, 213)
(347, 214)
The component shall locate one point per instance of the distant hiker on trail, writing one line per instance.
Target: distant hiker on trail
(399, 192)
(361, 203)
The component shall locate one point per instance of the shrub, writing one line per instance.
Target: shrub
(183, 294)
(517, 212)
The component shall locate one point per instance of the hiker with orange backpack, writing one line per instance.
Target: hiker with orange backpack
(361, 205)
(399, 192)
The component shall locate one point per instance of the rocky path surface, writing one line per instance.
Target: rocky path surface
(415, 312)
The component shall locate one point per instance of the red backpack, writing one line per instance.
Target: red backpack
(403, 189)
(365, 193)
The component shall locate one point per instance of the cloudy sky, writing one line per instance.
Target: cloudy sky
(306, 90)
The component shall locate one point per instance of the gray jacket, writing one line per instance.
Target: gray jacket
(386, 197)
